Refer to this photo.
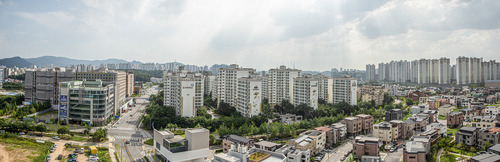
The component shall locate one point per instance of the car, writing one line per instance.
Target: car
(59, 157)
(342, 158)
(350, 151)
(127, 142)
(55, 145)
(22, 133)
(346, 154)
(67, 144)
(48, 157)
(76, 150)
(392, 150)
(81, 150)
(56, 137)
(51, 150)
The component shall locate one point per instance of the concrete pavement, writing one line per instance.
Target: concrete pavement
(339, 153)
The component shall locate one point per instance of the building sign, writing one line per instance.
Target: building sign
(63, 106)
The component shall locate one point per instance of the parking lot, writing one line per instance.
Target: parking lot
(61, 150)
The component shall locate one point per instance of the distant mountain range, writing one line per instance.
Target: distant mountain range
(57, 61)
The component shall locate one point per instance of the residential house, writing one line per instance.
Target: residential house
(414, 152)
(192, 147)
(488, 137)
(467, 136)
(266, 145)
(366, 122)
(365, 146)
(386, 132)
(402, 128)
(340, 132)
(235, 140)
(329, 133)
(394, 114)
(354, 125)
(485, 122)
(419, 109)
(446, 109)
(455, 119)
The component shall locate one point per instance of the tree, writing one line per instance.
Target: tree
(87, 127)
(225, 109)
(100, 134)
(212, 139)
(63, 130)
(41, 128)
(409, 102)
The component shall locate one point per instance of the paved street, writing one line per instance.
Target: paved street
(340, 152)
(125, 130)
(396, 156)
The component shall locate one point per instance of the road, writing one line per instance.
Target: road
(395, 156)
(340, 152)
(125, 129)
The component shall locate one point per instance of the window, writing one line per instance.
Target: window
(412, 157)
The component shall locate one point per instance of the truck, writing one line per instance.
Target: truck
(93, 150)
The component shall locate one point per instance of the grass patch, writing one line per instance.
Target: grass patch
(42, 149)
(452, 131)
(442, 117)
(149, 142)
(258, 156)
(448, 158)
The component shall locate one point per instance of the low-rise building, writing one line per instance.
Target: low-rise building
(319, 139)
(446, 109)
(469, 113)
(290, 118)
(491, 111)
(411, 127)
(433, 115)
(170, 147)
(488, 137)
(485, 122)
(241, 153)
(266, 145)
(235, 140)
(455, 119)
(420, 123)
(485, 157)
(340, 132)
(414, 152)
(495, 149)
(366, 122)
(419, 109)
(329, 133)
(439, 127)
(467, 136)
(295, 155)
(394, 114)
(402, 128)
(366, 146)
(354, 125)
(385, 131)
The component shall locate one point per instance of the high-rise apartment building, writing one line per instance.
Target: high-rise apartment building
(1, 77)
(475, 70)
(227, 82)
(423, 71)
(344, 90)
(463, 70)
(130, 83)
(490, 70)
(209, 81)
(249, 96)
(370, 72)
(280, 84)
(383, 71)
(469, 70)
(444, 71)
(43, 84)
(86, 101)
(183, 91)
(305, 91)
(413, 71)
(325, 88)
(433, 71)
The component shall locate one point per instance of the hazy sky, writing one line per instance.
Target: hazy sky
(310, 34)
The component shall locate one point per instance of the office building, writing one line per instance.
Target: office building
(119, 78)
(280, 84)
(191, 148)
(86, 101)
(305, 91)
(370, 72)
(227, 82)
(43, 84)
(249, 99)
(183, 91)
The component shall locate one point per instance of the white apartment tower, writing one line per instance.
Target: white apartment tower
(475, 70)
(227, 82)
(325, 89)
(280, 84)
(305, 91)
(414, 71)
(345, 89)
(370, 72)
(490, 70)
(423, 71)
(249, 96)
(463, 70)
(184, 92)
(434, 71)
(209, 81)
(444, 71)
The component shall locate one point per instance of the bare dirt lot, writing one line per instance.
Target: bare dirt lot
(11, 153)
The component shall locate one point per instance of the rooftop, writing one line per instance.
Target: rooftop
(415, 147)
(351, 118)
(267, 144)
(455, 113)
(494, 130)
(364, 116)
(470, 129)
(489, 157)
(235, 138)
(495, 148)
(363, 139)
(323, 129)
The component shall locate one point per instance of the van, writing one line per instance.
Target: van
(81, 150)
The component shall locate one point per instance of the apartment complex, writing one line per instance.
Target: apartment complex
(280, 84)
(305, 91)
(249, 96)
(43, 84)
(193, 147)
(183, 91)
(227, 83)
(86, 101)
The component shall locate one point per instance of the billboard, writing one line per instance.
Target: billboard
(63, 106)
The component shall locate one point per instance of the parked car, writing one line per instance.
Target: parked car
(67, 144)
(22, 133)
(127, 142)
(342, 158)
(81, 150)
(51, 150)
(59, 157)
(48, 157)
(56, 137)
(55, 145)
(76, 150)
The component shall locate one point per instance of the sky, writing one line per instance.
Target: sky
(306, 34)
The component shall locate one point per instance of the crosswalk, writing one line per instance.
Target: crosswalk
(129, 138)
